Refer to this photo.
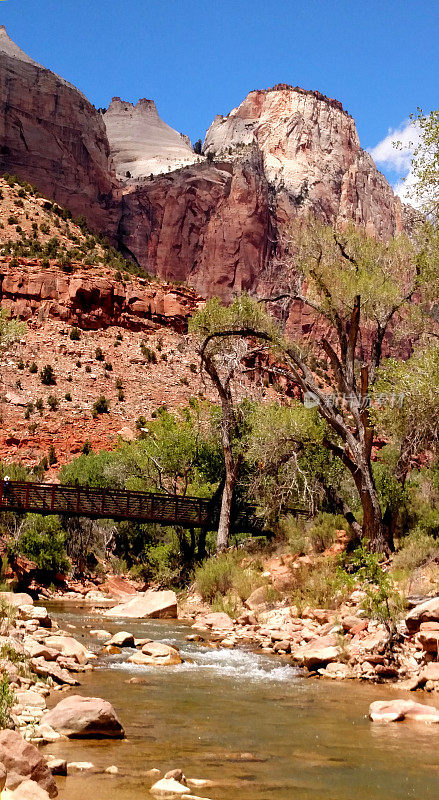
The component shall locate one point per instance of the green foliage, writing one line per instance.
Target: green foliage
(43, 540)
(383, 602)
(416, 549)
(319, 585)
(47, 375)
(99, 356)
(6, 702)
(226, 574)
(290, 464)
(100, 406)
(425, 164)
(10, 329)
(75, 334)
(148, 353)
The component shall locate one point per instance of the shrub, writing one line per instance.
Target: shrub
(52, 402)
(75, 334)
(148, 353)
(6, 702)
(88, 368)
(12, 220)
(99, 356)
(109, 366)
(224, 574)
(100, 406)
(33, 369)
(47, 375)
(121, 395)
(416, 549)
(44, 228)
(43, 541)
(86, 448)
(39, 405)
(52, 458)
(68, 397)
(141, 422)
(119, 383)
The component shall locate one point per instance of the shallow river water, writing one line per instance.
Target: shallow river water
(248, 722)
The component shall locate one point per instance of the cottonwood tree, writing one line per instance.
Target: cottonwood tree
(425, 165)
(362, 295)
(225, 347)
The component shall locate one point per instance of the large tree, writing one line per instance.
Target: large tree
(364, 296)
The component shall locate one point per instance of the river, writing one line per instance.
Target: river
(250, 723)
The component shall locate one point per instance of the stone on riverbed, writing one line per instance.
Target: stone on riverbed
(84, 717)
(69, 647)
(156, 654)
(122, 639)
(168, 787)
(28, 790)
(17, 599)
(23, 762)
(149, 604)
(397, 710)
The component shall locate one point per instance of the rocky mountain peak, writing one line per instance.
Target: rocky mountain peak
(9, 48)
(141, 143)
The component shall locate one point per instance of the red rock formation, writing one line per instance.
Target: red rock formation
(93, 303)
(208, 225)
(52, 136)
(282, 152)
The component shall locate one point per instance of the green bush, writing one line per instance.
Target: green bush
(52, 402)
(43, 541)
(223, 574)
(47, 375)
(6, 702)
(100, 406)
(416, 549)
(75, 334)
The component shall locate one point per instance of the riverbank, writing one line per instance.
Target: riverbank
(235, 719)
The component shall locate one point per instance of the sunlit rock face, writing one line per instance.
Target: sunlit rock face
(53, 137)
(141, 144)
(311, 157)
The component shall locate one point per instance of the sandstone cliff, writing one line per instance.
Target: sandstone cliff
(51, 136)
(213, 221)
(311, 157)
(141, 144)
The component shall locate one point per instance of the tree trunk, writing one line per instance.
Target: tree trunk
(226, 504)
(375, 531)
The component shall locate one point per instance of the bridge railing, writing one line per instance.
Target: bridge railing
(82, 501)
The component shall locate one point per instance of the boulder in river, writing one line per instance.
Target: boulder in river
(121, 639)
(23, 762)
(69, 647)
(149, 604)
(156, 654)
(84, 717)
(28, 790)
(397, 710)
(168, 787)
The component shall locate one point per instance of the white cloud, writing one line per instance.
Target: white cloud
(398, 159)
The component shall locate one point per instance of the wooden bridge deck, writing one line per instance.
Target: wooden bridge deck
(117, 504)
(120, 504)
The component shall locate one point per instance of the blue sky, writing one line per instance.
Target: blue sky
(198, 59)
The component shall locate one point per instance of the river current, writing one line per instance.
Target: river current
(250, 723)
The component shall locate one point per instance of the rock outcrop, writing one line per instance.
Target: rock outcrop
(84, 717)
(52, 136)
(91, 302)
(141, 144)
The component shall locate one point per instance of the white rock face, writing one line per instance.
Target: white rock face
(310, 151)
(141, 143)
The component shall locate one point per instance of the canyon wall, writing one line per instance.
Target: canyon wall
(213, 220)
